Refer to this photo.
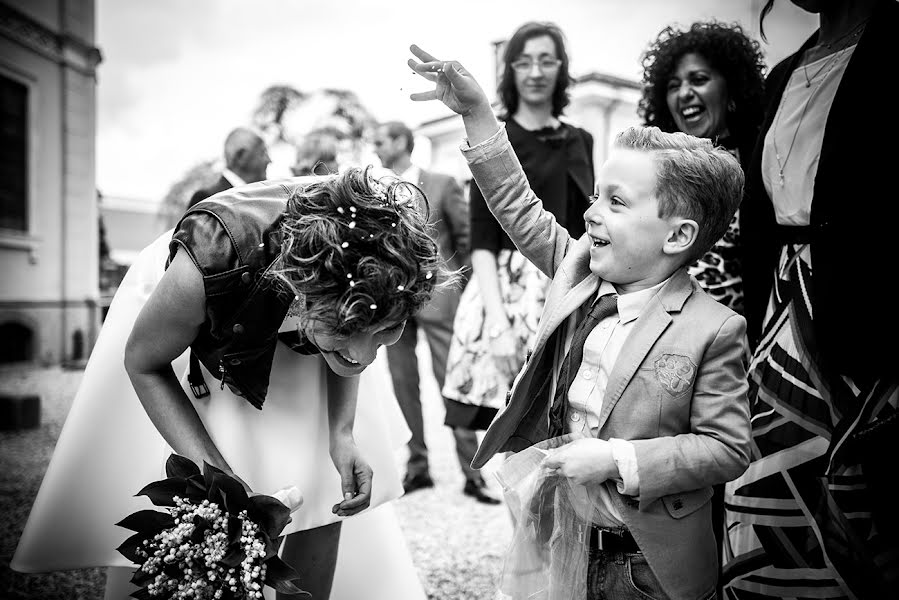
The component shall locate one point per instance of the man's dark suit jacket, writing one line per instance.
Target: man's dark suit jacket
(219, 186)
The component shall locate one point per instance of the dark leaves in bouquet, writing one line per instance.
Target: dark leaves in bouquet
(209, 472)
(271, 514)
(142, 578)
(142, 594)
(281, 576)
(234, 556)
(180, 466)
(147, 522)
(162, 493)
(195, 488)
(234, 495)
(201, 526)
(129, 548)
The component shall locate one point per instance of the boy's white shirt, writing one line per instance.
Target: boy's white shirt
(585, 396)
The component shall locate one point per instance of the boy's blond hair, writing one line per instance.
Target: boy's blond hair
(695, 180)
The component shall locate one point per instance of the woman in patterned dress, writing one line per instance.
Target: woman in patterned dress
(812, 516)
(499, 308)
(708, 81)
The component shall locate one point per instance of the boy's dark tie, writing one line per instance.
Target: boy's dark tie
(606, 306)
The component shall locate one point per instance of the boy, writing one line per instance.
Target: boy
(657, 381)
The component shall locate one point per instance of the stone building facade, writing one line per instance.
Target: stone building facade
(49, 259)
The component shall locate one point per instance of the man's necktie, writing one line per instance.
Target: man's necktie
(606, 306)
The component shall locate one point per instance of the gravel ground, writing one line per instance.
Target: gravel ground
(456, 543)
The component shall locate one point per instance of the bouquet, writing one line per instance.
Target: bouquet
(212, 542)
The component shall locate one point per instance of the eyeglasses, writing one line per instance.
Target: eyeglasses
(524, 65)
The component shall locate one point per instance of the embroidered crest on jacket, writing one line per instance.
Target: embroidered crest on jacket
(675, 372)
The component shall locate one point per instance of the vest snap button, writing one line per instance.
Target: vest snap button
(246, 278)
(237, 329)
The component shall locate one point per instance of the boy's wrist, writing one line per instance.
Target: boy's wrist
(480, 123)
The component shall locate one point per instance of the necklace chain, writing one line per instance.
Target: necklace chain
(852, 34)
(781, 164)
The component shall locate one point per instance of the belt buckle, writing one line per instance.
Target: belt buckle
(601, 543)
(610, 541)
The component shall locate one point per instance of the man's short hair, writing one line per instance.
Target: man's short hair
(397, 129)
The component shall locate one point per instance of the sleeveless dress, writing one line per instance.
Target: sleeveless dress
(108, 450)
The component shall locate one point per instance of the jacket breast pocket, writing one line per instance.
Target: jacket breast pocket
(685, 503)
(673, 370)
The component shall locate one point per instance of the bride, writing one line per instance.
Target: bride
(109, 449)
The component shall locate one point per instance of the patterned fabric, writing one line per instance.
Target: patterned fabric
(472, 376)
(719, 271)
(799, 520)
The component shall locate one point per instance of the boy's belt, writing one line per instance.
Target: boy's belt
(612, 540)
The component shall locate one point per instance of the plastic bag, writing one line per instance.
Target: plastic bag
(548, 556)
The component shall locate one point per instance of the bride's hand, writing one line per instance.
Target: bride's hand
(355, 477)
(454, 85)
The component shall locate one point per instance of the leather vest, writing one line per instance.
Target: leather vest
(234, 239)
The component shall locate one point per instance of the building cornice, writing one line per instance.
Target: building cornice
(62, 48)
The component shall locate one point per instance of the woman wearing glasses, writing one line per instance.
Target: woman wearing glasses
(499, 309)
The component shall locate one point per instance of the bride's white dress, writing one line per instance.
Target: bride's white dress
(108, 450)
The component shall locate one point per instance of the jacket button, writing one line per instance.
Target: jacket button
(235, 361)
(237, 329)
(246, 278)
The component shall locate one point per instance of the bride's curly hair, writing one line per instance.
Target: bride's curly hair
(358, 252)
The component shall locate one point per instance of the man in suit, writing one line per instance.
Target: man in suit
(246, 161)
(449, 216)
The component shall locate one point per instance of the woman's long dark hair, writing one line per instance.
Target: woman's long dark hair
(506, 90)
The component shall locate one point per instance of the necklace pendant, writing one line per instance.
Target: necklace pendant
(808, 84)
(781, 182)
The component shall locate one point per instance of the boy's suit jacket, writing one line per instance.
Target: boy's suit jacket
(677, 390)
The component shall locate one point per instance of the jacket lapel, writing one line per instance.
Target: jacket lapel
(650, 325)
(570, 288)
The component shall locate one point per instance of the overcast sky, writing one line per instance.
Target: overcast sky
(177, 75)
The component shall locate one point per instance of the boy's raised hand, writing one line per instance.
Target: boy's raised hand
(455, 86)
(458, 90)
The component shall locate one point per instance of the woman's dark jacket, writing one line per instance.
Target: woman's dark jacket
(559, 167)
(234, 240)
(854, 216)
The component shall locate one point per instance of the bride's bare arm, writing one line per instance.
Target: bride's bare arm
(165, 327)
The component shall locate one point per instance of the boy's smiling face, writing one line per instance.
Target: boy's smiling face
(629, 238)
